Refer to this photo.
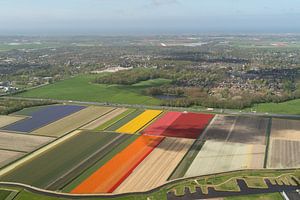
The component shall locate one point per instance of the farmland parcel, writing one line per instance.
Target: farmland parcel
(21, 142)
(218, 156)
(284, 149)
(157, 167)
(183, 125)
(8, 156)
(72, 122)
(42, 117)
(139, 122)
(114, 172)
(9, 119)
(48, 168)
(98, 122)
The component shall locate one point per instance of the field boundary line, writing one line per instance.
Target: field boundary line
(268, 138)
(19, 151)
(37, 152)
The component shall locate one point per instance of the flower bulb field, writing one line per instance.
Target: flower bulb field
(88, 149)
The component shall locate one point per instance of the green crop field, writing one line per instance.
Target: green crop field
(81, 88)
(44, 171)
(288, 107)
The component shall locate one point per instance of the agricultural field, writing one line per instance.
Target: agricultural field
(100, 121)
(115, 171)
(182, 125)
(64, 160)
(139, 122)
(9, 119)
(216, 157)
(7, 157)
(284, 149)
(157, 167)
(21, 142)
(72, 122)
(43, 117)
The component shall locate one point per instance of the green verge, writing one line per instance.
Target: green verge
(48, 167)
(124, 120)
(114, 120)
(272, 196)
(81, 88)
(4, 194)
(289, 107)
(185, 163)
(84, 175)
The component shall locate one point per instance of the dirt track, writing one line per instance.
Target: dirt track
(22, 142)
(98, 122)
(157, 167)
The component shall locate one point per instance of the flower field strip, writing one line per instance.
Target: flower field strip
(139, 122)
(157, 167)
(42, 117)
(113, 173)
(7, 157)
(160, 125)
(72, 184)
(72, 122)
(119, 123)
(188, 125)
(48, 167)
(101, 120)
(112, 121)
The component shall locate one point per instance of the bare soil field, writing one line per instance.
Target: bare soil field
(72, 122)
(284, 154)
(157, 167)
(285, 129)
(98, 122)
(9, 119)
(21, 142)
(8, 156)
(240, 129)
(216, 156)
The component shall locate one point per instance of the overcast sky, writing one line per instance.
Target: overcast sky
(147, 16)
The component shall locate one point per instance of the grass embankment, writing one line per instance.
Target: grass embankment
(81, 88)
(272, 196)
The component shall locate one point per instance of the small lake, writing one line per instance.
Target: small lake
(167, 97)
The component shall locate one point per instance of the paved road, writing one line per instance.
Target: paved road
(221, 111)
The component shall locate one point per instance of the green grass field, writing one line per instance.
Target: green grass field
(272, 196)
(4, 194)
(80, 88)
(288, 107)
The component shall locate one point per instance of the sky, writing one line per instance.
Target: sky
(126, 17)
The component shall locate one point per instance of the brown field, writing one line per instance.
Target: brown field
(240, 129)
(8, 156)
(284, 154)
(285, 129)
(9, 119)
(157, 167)
(98, 122)
(216, 156)
(22, 142)
(72, 122)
